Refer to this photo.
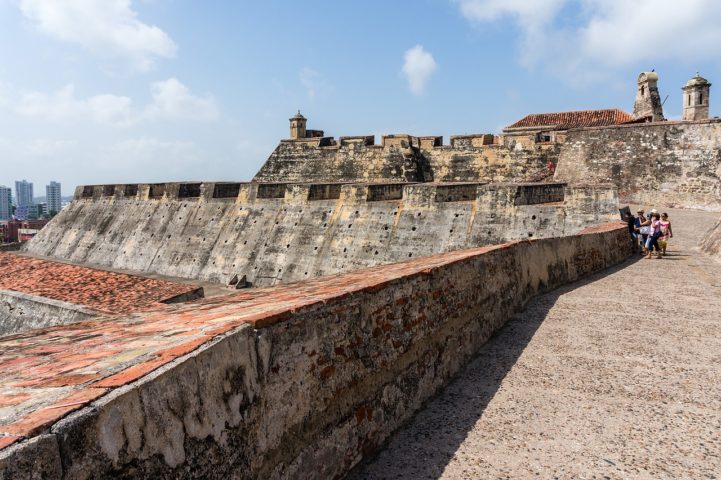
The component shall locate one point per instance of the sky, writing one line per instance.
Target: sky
(119, 91)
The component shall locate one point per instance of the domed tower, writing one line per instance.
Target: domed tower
(297, 126)
(695, 98)
(648, 100)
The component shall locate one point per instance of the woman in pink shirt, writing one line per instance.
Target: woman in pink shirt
(654, 235)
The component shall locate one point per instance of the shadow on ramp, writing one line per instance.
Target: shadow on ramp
(425, 445)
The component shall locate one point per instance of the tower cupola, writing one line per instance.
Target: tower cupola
(297, 126)
(695, 98)
(648, 100)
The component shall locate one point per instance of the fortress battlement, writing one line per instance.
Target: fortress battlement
(412, 194)
(400, 140)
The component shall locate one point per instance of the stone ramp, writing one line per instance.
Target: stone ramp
(587, 382)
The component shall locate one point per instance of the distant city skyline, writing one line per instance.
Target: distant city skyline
(126, 91)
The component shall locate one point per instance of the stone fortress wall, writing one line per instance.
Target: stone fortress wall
(407, 158)
(671, 164)
(264, 234)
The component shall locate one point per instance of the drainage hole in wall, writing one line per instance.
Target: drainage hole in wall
(533, 217)
(413, 229)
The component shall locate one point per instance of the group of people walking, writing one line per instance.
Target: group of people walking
(650, 233)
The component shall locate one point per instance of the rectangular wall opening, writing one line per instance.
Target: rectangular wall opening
(379, 193)
(88, 191)
(189, 190)
(456, 193)
(537, 194)
(157, 190)
(271, 190)
(226, 190)
(324, 192)
(131, 190)
(108, 190)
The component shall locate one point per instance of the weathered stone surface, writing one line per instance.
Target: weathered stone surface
(20, 312)
(658, 164)
(405, 158)
(304, 230)
(35, 459)
(710, 242)
(308, 393)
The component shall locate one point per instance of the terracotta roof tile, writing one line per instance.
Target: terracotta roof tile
(106, 292)
(566, 120)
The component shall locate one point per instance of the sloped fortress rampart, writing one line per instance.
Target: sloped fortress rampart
(275, 233)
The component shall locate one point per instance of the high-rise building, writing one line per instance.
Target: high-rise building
(23, 193)
(6, 202)
(54, 198)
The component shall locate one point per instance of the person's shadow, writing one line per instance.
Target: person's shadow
(423, 447)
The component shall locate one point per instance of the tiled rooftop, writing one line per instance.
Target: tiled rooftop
(99, 290)
(47, 373)
(581, 118)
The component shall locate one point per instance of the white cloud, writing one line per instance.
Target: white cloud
(171, 100)
(418, 66)
(110, 28)
(581, 42)
(314, 83)
(534, 12)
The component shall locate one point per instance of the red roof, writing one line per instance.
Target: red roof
(566, 120)
(99, 290)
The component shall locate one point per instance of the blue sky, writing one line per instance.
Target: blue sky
(111, 91)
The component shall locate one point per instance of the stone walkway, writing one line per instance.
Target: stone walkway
(617, 376)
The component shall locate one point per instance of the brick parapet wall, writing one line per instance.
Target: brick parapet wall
(296, 381)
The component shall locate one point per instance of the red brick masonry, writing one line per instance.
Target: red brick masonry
(99, 290)
(47, 373)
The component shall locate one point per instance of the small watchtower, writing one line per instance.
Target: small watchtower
(648, 100)
(695, 98)
(297, 126)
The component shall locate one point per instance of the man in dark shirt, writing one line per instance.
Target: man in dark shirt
(632, 223)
